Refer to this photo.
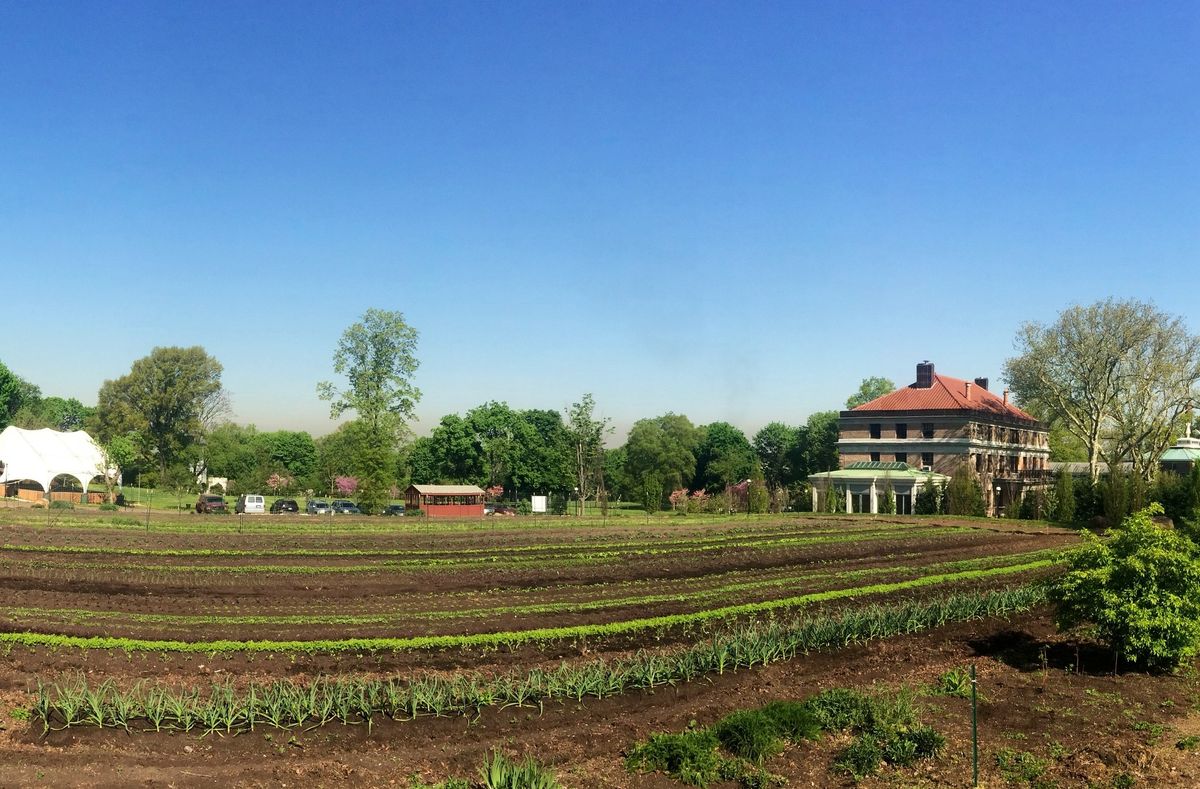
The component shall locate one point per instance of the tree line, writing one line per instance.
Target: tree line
(1115, 381)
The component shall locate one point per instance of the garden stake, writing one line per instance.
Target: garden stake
(974, 732)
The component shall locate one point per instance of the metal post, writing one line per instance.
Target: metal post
(974, 731)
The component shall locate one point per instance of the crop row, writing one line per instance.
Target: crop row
(572, 559)
(515, 637)
(738, 538)
(224, 708)
(78, 615)
(173, 523)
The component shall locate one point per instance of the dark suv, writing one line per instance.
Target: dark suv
(344, 507)
(284, 505)
(210, 502)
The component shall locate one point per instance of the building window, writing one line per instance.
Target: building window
(927, 459)
(927, 429)
(901, 431)
(874, 457)
(875, 431)
(901, 457)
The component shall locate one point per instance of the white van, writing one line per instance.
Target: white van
(251, 503)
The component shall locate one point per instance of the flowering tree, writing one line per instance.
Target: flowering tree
(677, 497)
(494, 492)
(345, 485)
(277, 481)
(698, 501)
(739, 496)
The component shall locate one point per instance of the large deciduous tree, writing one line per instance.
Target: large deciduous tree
(586, 435)
(773, 445)
(377, 357)
(868, 390)
(1118, 375)
(725, 457)
(168, 399)
(662, 449)
(818, 443)
(15, 393)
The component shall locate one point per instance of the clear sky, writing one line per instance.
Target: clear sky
(729, 210)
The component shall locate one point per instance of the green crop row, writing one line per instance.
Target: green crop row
(740, 538)
(77, 615)
(516, 637)
(283, 703)
(576, 559)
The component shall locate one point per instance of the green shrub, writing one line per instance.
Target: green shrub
(1063, 499)
(929, 743)
(499, 772)
(840, 709)
(750, 735)
(860, 758)
(690, 757)
(793, 720)
(964, 494)
(1139, 591)
(956, 682)
(108, 506)
(61, 505)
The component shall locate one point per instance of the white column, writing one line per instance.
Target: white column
(814, 498)
(874, 499)
(849, 500)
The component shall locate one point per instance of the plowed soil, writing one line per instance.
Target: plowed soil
(1070, 713)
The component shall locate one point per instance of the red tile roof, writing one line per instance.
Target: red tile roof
(946, 394)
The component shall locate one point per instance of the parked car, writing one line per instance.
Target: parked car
(394, 509)
(499, 509)
(344, 507)
(251, 503)
(316, 507)
(210, 502)
(284, 505)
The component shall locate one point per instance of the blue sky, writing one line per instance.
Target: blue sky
(730, 210)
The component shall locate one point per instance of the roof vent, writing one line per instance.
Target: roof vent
(925, 374)
(981, 383)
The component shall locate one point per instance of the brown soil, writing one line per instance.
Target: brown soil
(395, 578)
(1084, 725)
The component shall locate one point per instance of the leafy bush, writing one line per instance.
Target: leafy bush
(928, 741)
(61, 505)
(1064, 498)
(887, 497)
(499, 772)
(793, 720)
(690, 757)
(928, 498)
(955, 682)
(964, 494)
(749, 734)
(860, 758)
(840, 709)
(1139, 591)
(108, 506)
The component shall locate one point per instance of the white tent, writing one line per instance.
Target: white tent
(42, 455)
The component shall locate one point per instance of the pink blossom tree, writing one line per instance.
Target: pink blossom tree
(345, 485)
(277, 481)
(677, 497)
(494, 492)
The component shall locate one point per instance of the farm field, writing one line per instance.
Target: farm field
(214, 605)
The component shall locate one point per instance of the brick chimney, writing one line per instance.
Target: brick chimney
(1006, 397)
(924, 375)
(981, 383)
(968, 390)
